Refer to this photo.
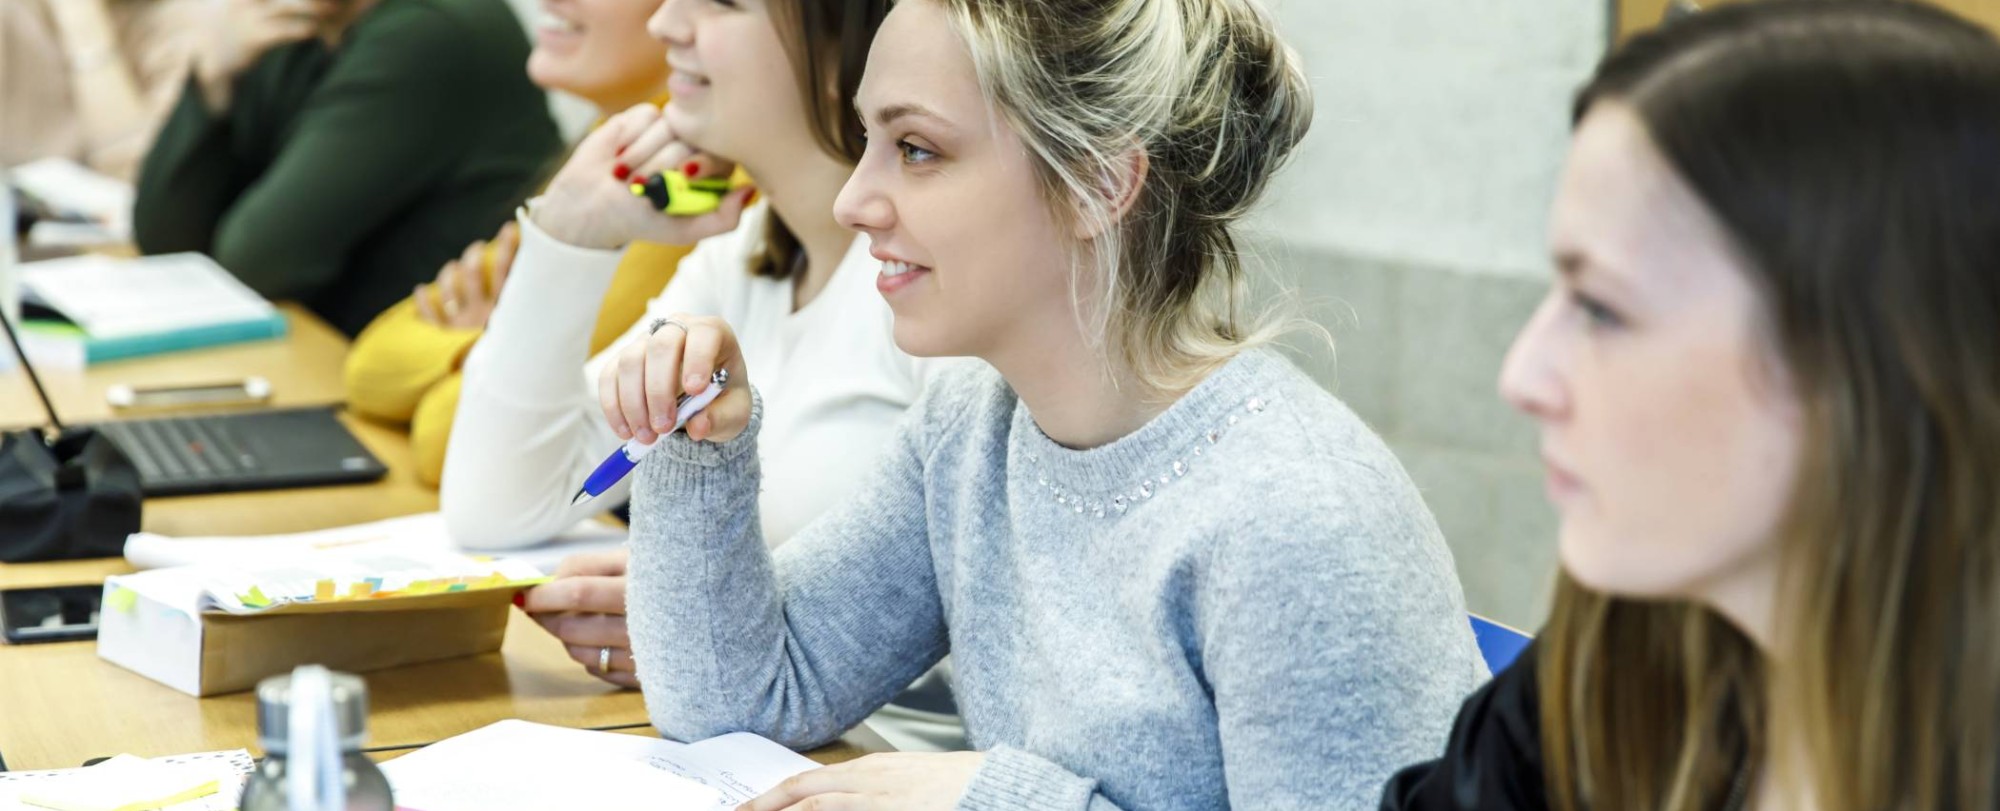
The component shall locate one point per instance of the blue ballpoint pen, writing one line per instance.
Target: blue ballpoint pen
(621, 461)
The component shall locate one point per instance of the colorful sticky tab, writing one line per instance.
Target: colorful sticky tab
(121, 599)
(323, 591)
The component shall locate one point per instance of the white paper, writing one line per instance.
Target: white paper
(204, 586)
(489, 767)
(65, 234)
(110, 297)
(611, 786)
(71, 188)
(297, 580)
(228, 768)
(413, 533)
(176, 589)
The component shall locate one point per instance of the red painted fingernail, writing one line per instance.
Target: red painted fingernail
(621, 171)
(691, 169)
(521, 599)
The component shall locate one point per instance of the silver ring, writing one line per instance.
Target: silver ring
(604, 660)
(666, 322)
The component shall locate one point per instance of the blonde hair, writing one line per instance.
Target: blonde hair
(1213, 100)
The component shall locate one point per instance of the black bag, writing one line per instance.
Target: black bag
(71, 495)
(76, 497)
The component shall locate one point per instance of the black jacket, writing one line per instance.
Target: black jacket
(1493, 761)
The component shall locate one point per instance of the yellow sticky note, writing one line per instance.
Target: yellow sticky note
(256, 598)
(323, 591)
(121, 599)
(360, 590)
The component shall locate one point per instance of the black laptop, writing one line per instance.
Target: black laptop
(229, 452)
(249, 450)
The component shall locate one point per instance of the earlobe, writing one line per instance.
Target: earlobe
(1121, 191)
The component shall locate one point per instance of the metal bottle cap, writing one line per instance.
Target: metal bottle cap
(274, 701)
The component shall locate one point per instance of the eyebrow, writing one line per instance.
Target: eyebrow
(895, 111)
(1569, 263)
(1572, 265)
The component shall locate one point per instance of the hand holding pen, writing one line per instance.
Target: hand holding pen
(591, 204)
(641, 390)
(621, 462)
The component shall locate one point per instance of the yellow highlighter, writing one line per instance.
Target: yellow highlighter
(677, 196)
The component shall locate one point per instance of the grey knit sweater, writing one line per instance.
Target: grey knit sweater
(1242, 604)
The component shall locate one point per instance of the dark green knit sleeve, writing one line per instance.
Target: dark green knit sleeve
(375, 133)
(188, 180)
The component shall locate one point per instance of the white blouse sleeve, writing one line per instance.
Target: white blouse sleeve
(529, 428)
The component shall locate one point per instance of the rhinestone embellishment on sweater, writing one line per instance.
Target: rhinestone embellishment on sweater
(1147, 486)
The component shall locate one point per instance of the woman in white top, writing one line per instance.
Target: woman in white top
(765, 84)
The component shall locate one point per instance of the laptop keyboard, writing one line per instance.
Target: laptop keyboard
(180, 449)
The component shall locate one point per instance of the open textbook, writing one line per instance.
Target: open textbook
(518, 766)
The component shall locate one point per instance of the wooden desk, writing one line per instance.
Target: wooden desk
(60, 704)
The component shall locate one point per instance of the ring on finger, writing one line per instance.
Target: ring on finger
(604, 660)
(666, 322)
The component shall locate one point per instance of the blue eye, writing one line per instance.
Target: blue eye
(915, 154)
(1600, 316)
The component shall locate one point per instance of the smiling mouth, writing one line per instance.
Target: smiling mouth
(893, 269)
(548, 21)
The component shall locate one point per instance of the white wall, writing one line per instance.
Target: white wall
(1440, 126)
(1412, 224)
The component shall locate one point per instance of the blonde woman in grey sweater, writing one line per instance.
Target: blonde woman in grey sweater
(1172, 572)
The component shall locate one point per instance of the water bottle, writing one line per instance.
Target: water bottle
(311, 724)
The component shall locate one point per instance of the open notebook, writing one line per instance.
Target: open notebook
(518, 766)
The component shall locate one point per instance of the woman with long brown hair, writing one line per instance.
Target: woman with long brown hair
(1769, 396)
(765, 84)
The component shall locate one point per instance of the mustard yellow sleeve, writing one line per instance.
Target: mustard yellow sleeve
(430, 427)
(397, 359)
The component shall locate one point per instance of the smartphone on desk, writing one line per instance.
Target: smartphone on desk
(53, 614)
(248, 391)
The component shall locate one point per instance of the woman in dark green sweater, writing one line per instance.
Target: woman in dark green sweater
(336, 152)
